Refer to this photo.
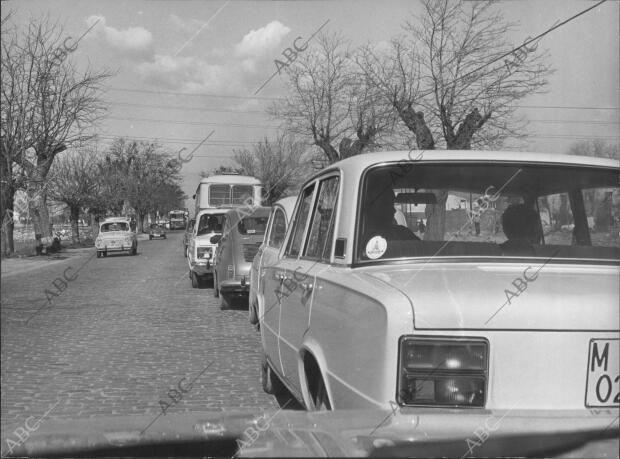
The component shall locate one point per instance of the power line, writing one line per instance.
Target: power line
(173, 107)
(175, 93)
(193, 123)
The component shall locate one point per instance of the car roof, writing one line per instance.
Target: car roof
(356, 164)
(115, 220)
(288, 204)
(255, 211)
(232, 179)
(214, 210)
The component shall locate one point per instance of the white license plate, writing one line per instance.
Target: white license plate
(603, 380)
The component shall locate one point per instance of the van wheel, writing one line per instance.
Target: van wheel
(216, 289)
(195, 281)
(269, 380)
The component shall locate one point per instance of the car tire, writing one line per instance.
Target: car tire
(253, 312)
(216, 289)
(194, 278)
(150, 237)
(224, 304)
(269, 379)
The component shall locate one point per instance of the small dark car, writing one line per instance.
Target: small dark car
(242, 235)
(157, 231)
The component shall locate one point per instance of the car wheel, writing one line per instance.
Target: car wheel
(150, 237)
(223, 302)
(195, 282)
(216, 289)
(269, 380)
(253, 310)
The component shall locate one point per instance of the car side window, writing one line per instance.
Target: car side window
(296, 240)
(278, 229)
(322, 223)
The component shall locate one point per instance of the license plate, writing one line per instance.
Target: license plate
(603, 380)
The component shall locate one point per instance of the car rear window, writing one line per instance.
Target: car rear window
(253, 225)
(489, 210)
(116, 226)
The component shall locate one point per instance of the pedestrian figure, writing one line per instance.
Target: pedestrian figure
(477, 223)
(421, 226)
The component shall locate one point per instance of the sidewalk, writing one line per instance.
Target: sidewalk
(19, 265)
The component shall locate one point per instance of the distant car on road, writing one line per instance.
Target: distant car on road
(188, 234)
(242, 234)
(157, 230)
(267, 255)
(115, 235)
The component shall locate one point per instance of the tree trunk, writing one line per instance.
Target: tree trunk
(75, 226)
(94, 226)
(141, 216)
(37, 198)
(7, 209)
(436, 218)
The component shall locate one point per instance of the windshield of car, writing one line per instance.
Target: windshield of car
(116, 226)
(490, 210)
(210, 223)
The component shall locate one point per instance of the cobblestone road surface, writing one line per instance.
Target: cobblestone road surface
(120, 335)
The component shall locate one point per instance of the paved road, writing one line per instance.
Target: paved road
(120, 335)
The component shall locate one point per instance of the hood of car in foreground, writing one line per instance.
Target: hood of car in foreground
(288, 433)
(526, 296)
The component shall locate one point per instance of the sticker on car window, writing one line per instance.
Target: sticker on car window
(376, 247)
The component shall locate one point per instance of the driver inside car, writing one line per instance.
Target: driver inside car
(379, 211)
(521, 227)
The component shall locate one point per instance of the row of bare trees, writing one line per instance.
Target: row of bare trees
(47, 106)
(448, 80)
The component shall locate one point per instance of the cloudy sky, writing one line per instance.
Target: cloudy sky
(186, 68)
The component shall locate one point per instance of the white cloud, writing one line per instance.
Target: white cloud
(190, 74)
(257, 42)
(133, 40)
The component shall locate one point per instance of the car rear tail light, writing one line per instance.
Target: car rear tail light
(443, 372)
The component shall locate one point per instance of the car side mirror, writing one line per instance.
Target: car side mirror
(215, 239)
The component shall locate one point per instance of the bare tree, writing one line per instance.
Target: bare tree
(47, 107)
(453, 81)
(331, 101)
(73, 181)
(595, 147)
(277, 163)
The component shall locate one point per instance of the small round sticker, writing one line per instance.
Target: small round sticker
(376, 247)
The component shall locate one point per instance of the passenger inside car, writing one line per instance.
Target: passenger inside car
(521, 226)
(379, 211)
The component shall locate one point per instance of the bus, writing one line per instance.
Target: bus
(177, 219)
(228, 191)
